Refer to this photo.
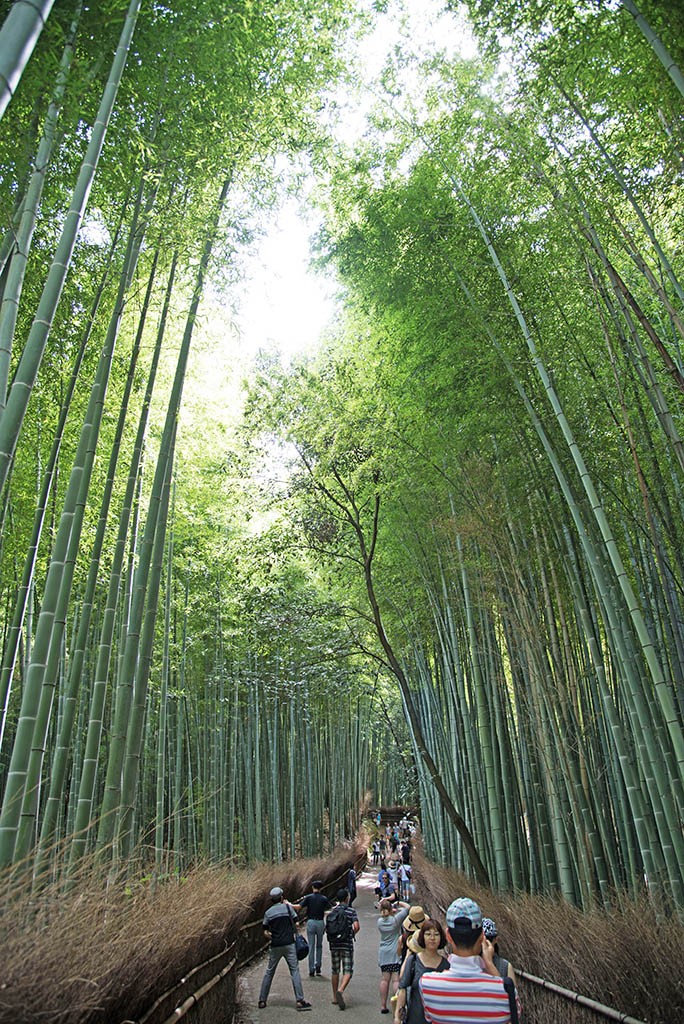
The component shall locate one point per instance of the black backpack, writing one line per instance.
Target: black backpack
(338, 927)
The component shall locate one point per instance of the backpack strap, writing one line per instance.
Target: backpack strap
(509, 985)
(501, 965)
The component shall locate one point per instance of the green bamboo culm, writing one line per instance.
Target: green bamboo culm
(11, 293)
(18, 36)
(19, 810)
(12, 417)
(111, 803)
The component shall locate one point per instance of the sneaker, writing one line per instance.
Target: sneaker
(340, 1001)
(318, 971)
(303, 1005)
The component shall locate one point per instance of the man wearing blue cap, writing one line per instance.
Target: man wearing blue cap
(472, 990)
(279, 924)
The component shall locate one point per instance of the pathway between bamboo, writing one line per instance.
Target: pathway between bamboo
(362, 997)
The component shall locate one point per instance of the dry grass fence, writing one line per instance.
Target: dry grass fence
(101, 953)
(626, 957)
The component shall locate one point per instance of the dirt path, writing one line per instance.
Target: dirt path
(362, 997)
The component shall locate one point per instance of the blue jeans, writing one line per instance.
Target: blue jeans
(314, 936)
(276, 953)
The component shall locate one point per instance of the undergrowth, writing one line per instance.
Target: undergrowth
(626, 957)
(102, 951)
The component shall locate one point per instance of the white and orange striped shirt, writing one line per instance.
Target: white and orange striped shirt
(464, 994)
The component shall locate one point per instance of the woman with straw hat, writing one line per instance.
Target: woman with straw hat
(411, 926)
(423, 955)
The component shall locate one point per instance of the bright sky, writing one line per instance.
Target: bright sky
(285, 305)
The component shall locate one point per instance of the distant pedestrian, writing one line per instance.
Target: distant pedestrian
(341, 926)
(351, 885)
(280, 921)
(314, 906)
(403, 880)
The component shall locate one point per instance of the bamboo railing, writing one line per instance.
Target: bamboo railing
(217, 977)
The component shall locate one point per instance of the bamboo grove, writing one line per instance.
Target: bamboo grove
(493, 441)
(138, 150)
(467, 588)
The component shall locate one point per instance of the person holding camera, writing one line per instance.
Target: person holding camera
(471, 991)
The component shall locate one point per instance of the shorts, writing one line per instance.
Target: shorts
(342, 960)
(390, 968)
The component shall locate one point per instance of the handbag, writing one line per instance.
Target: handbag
(301, 946)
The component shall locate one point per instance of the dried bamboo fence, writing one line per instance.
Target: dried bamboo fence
(208, 993)
(546, 1007)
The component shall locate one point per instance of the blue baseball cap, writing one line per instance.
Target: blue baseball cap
(464, 916)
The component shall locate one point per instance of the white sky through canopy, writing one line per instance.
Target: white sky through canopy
(284, 305)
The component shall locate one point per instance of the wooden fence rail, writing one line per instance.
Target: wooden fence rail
(574, 997)
(217, 976)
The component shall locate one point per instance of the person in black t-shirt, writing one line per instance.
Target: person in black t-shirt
(315, 906)
(280, 921)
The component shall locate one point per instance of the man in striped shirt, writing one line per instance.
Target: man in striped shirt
(472, 990)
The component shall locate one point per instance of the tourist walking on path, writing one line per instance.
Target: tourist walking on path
(384, 889)
(351, 885)
(424, 954)
(471, 991)
(389, 925)
(280, 921)
(314, 906)
(341, 927)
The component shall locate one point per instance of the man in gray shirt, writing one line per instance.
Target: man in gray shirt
(279, 924)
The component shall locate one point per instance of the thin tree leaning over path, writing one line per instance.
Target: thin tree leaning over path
(367, 546)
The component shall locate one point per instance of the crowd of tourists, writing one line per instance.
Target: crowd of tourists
(431, 972)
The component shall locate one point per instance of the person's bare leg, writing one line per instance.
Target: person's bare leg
(384, 989)
(346, 978)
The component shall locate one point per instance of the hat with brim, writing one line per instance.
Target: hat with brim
(412, 943)
(414, 919)
(464, 917)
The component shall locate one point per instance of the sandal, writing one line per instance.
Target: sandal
(303, 1005)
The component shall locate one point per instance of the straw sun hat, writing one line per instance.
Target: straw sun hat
(414, 919)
